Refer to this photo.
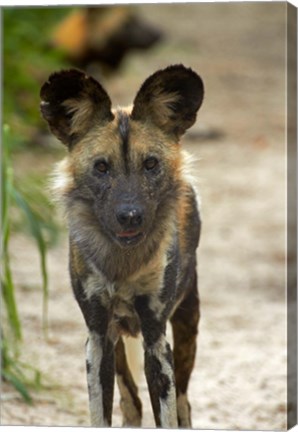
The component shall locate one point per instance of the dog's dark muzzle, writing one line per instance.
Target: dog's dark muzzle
(130, 218)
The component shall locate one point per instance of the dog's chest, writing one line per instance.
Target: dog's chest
(119, 297)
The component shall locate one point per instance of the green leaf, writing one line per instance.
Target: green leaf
(18, 384)
(10, 302)
(37, 235)
(8, 290)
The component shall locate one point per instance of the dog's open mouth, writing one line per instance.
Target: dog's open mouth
(130, 237)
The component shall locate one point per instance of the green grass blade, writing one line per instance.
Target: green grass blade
(10, 302)
(36, 232)
(18, 384)
(8, 289)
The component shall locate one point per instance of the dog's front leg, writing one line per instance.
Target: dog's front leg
(161, 382)
(99, 353)
(159, 367)
(100, 379)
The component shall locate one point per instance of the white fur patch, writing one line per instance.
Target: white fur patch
(97, 284)
(168, 416)
(61, 180)
(168, 411)
(94, 357)
(189, 174)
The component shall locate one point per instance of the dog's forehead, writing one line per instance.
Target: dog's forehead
(139, 138)
(120, 139)
(99, 141)
(124, 142)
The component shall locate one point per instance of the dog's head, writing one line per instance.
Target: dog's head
(123, 165)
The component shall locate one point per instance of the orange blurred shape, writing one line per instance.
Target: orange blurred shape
(71, 34)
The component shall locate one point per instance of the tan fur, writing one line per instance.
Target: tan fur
(80, 110)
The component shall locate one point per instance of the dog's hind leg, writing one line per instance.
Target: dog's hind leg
(130, 403)
(185, 328)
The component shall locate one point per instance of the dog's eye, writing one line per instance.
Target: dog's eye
(150, 163)
(101, 166)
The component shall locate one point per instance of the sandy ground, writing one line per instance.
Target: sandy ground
(239, 381)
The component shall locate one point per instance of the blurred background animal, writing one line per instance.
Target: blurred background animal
(103, 36)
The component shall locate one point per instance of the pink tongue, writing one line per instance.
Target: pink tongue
(128, 234)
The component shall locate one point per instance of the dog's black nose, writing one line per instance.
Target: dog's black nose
(130, 216)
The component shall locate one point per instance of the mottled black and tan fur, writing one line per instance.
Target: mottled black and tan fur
(134, 227)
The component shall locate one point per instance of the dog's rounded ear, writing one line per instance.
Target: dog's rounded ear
(72, 102)
(170, 99)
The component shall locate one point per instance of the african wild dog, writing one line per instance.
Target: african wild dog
(134, 228)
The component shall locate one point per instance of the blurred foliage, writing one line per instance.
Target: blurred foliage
(19, 374)
(27, 60)
(23, 204)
